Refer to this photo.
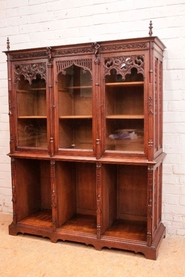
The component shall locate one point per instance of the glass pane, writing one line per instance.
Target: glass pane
(75, 108)
(31, 113)
(124, 111)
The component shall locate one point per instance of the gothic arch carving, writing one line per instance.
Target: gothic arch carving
(86, 64)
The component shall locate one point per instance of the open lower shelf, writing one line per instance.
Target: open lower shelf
(132, 230)
(41, 219)
(80, 223)
(124, 229)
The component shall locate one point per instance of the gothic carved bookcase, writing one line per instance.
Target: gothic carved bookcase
(86, 143)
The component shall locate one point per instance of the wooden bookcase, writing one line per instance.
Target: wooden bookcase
(86, 143)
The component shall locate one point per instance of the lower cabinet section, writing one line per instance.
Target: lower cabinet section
(104, 205)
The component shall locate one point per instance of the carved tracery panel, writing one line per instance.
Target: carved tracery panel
(124, 64)
(29, 71)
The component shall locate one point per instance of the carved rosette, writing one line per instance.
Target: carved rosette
(124, 64)
(86, 64)
(30, 71)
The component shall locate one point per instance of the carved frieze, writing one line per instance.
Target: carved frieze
(73, 51)
(30, 71)
(124, 46)
(30, 55)
(124, 64)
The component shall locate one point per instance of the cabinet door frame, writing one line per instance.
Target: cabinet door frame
(61, 64)
(29, 70)
(105, 71)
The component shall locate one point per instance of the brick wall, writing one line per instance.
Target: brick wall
(34, 23)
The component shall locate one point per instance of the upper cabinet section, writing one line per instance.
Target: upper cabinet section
(100, 100)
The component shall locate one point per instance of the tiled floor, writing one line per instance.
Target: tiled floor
(29, 256)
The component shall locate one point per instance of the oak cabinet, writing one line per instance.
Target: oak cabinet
(86, 143)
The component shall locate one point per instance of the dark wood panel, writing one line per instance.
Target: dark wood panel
(86, 188)
(132, 192)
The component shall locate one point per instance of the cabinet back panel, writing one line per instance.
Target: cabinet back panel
(132, 192)
(45, 185)
(109, 196)
(32, 187)
(82, 104)
(86, 188)
(75, 134)
(66, 191)
(31, 99)
(32, 133)
(31, 103)
(65, 103)
(78, 102)
(125, 101)
(76, 184)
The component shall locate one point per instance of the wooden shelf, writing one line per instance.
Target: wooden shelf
(31, 89)
(41, 218)
(119, 116)
(75, 117)
(32, 116)
(81, 223)
(79, 87)
(125, 84)
(134, 230)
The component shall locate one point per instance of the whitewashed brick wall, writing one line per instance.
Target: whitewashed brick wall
(34, 23)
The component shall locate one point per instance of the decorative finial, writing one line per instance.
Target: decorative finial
(150, 28)
(8, 44)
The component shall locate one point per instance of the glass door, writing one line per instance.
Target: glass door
(31, 113)
(75, 108)
(124, 105)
